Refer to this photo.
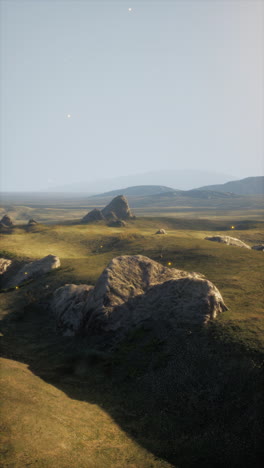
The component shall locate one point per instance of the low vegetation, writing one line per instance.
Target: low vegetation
(160, 398)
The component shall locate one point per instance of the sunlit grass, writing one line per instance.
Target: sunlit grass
(60, 420)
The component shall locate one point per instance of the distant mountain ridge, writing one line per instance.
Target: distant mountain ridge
(183, 179)
(247, 186)
(208, 196)
(138, 191)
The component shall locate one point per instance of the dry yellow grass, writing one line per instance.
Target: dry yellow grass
(44, 427)
(50, 420)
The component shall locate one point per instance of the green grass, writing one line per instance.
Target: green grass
(161, 399)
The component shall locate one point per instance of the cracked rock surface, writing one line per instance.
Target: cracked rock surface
(133, 289)
(228, 240)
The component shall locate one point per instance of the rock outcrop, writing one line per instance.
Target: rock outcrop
(119, 207)
(7, 221)
(228, 240)
(111, 216)
(133, 289)
(68, 306)
(32, 222)
(117, 223)
(258, 247)
(4, 265)
(161, 231)
(33, 270)
(93, 216)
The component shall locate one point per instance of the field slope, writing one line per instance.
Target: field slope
(160, 399)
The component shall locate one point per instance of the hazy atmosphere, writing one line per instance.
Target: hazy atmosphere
(100, 89)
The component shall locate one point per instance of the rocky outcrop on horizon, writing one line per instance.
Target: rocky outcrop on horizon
(133, 289)
(32, 222)
(117, 209)
(6, 221)
(228, 240)
(93, 216)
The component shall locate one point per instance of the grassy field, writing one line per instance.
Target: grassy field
(64, 403)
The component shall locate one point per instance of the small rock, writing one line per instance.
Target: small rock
(4, 265)
(161, 231)
(258, 247)
(228, 240)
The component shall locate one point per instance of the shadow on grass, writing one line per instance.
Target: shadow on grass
(191, 397)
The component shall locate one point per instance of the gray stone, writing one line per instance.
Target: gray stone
(117, 223)
(111, 216)
(93, 216)
(4, 265)
(7, 221)
(34, 270)
(258, 247)
(32, 222)
(228, 240)
(68, 307)
(131, 290)
(119, 207)
(135, 288)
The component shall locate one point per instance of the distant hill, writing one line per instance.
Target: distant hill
(248, 186)
(183, 179)
(179, 199)
(138, 191)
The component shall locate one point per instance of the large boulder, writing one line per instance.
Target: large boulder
(68, 306)
(33, 270)
(4, 265)
(119, 207)
(6, 221)
(228, 240)
(161, 231)
(133, 289)
(93, 216)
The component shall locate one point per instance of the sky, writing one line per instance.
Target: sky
(98, 89)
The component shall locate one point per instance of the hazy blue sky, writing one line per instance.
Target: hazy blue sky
(168, 85)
